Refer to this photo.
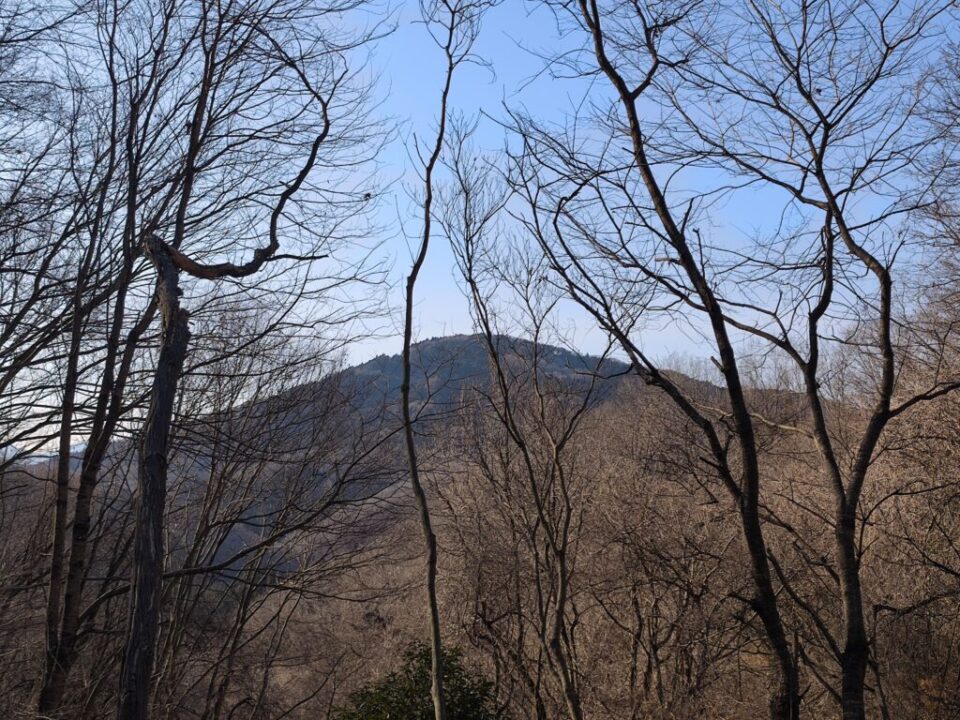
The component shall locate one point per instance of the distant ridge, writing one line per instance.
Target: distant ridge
(443, 367)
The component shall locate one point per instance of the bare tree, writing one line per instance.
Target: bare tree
(453, 25)
(537, 418)
(169, 120)
(169, 261)
(761, 97)
(194, 498)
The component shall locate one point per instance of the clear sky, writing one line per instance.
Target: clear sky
(514, 39)
(409, 75)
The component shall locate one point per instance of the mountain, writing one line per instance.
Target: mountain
(444, 367)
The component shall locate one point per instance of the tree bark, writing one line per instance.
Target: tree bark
(856, 650)
(785, 698)
(144, 610)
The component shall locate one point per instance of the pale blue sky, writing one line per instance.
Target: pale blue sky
(514, 39)
(409, 69)
(408, 73)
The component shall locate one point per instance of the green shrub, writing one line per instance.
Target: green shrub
(405, 694)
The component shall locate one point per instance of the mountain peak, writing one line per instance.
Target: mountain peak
(444, 366)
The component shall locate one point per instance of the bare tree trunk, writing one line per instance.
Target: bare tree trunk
(58, 561)
(148, 535)
(856, 649)
(785, 698)
(429, 539)
(785, 703)
(60, 520)
(458, 24)
(109, 410)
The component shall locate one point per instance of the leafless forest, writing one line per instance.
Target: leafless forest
(208, 511)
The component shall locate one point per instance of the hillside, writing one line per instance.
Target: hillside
(444, 367)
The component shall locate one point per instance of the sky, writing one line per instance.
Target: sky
(409, 74)
(515, 37)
